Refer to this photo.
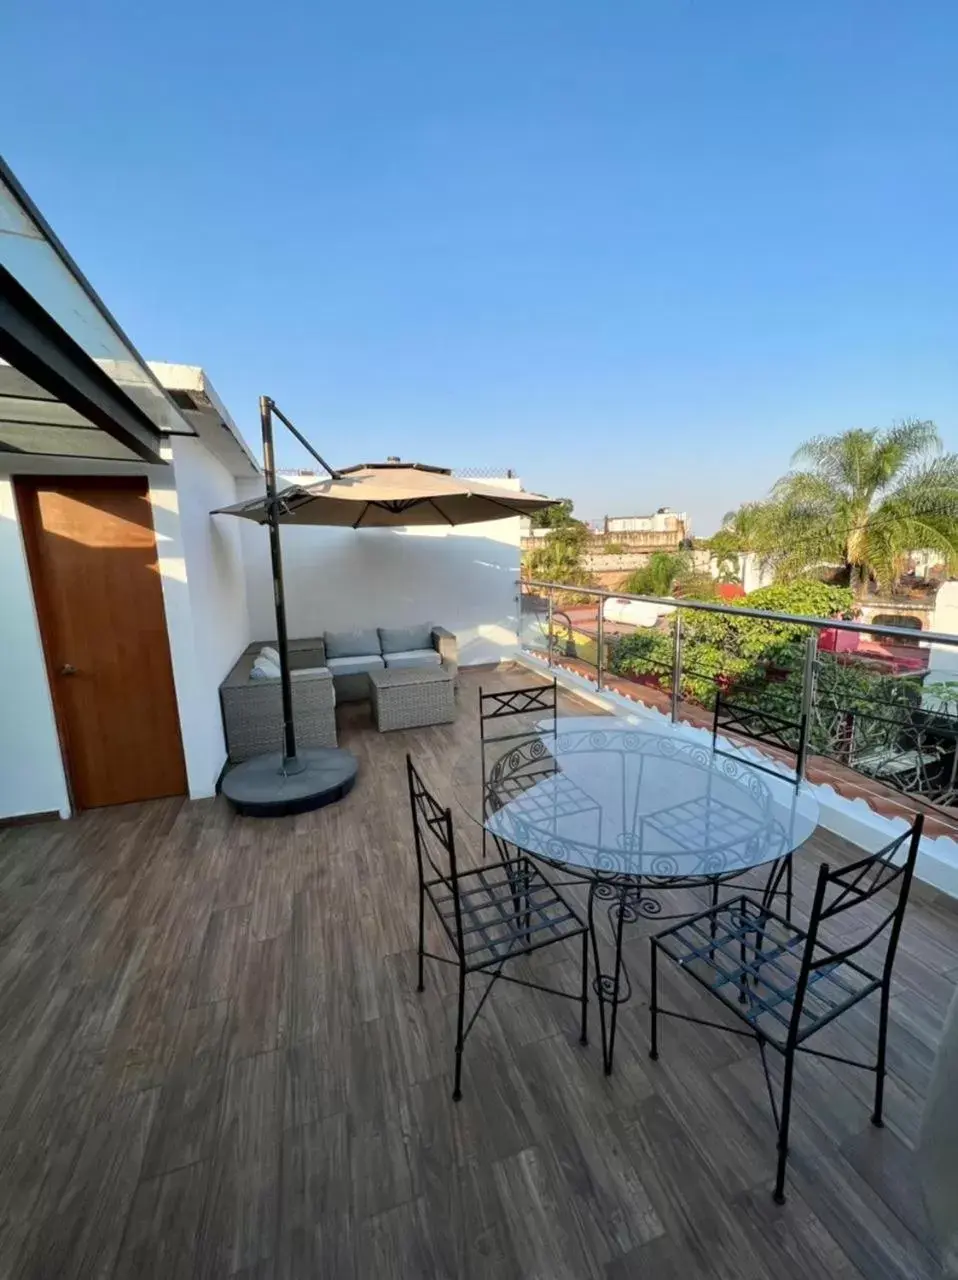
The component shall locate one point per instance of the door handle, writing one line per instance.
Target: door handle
(68, 669)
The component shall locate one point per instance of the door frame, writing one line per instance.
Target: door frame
(25, 488)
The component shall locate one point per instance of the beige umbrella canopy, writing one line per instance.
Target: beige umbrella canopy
(376, 495)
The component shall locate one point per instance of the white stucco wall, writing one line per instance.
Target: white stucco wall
(31, 772)
(204, 586)
(462, 578)
(944, 620)
(210, 618)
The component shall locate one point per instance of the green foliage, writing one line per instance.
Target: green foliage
(658, 577)
(863, 500)
(696, 586)
(561, 556)
(738, 653)
(554, 517)
(805, 597)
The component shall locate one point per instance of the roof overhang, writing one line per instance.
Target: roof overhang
(195, 396)
(72, 385)
(55, 401)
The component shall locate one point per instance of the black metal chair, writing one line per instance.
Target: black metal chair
(526, 710)
(491, 914)
(785, 983)
(768, 729)
(765, 727)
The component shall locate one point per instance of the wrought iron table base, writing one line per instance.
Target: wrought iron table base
(635, 899)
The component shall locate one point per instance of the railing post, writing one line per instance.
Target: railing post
(551, 639)
(676, 666)
(809, 672)
(600, 642)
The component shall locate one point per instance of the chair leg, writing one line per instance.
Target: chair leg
(422, 938)
(712, 924)
(779, 1194)
(788, 888)
(654, 1003)
(584, 1032)
(616, 979)
(880, 1067)
(460, 1020)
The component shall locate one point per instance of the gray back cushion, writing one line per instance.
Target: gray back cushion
(351, 644)
(401, 639)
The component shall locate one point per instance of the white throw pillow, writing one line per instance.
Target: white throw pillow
(263, 669)
(268, 652)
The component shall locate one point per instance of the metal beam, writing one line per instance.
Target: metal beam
(33, 342)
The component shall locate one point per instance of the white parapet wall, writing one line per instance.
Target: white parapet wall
(854, 820)
(463, 578)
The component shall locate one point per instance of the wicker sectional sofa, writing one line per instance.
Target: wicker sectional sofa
(326, 670)
(253, 709)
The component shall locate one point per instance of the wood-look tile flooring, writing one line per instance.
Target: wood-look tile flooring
(213, 1062)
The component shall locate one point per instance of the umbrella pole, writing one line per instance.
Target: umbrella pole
(290, 762)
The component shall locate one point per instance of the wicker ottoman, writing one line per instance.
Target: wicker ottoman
(407, 697)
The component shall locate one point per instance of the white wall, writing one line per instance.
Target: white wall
(212, 624)
(31, 771)
(944, 620)
(463, 578)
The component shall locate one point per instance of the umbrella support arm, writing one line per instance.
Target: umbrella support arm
(273, 408)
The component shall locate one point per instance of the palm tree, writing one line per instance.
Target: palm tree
(744, 532)
(561, 557)
(864, 500)
(658, 576)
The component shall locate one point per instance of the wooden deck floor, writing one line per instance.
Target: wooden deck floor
(213, 1062)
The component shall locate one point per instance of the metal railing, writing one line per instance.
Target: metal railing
(886, 732)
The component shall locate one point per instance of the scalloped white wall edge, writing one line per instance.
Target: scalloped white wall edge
(853, 820)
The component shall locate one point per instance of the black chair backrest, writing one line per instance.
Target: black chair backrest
(535, 701)
(519, 719)
(435, 843)
(432, 829)
(761, 726)
(850, 888)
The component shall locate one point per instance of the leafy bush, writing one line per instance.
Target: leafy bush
(805, 597)
(748, 656)
(657, 577)
(696, 586)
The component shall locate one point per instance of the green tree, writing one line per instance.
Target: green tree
(554, 517)
(745, 531)
(659, 576)
(561, 558)
(732, 651)
(863, 500)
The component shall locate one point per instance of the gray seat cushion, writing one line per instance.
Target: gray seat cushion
(413, 658)
(355, 665)
(405, 639)
(352, 644)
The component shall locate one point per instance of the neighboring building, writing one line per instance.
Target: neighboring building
(664, 520)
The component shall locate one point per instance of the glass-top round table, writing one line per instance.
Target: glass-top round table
(621, 801)
(631, 812)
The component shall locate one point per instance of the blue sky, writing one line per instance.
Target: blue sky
(636, 250)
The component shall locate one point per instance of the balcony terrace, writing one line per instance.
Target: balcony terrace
(215, 1063)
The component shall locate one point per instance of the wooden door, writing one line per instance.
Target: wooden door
(92, 555)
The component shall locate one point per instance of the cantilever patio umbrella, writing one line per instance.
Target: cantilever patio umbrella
(380, 495)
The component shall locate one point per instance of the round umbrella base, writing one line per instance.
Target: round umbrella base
(262, 788)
